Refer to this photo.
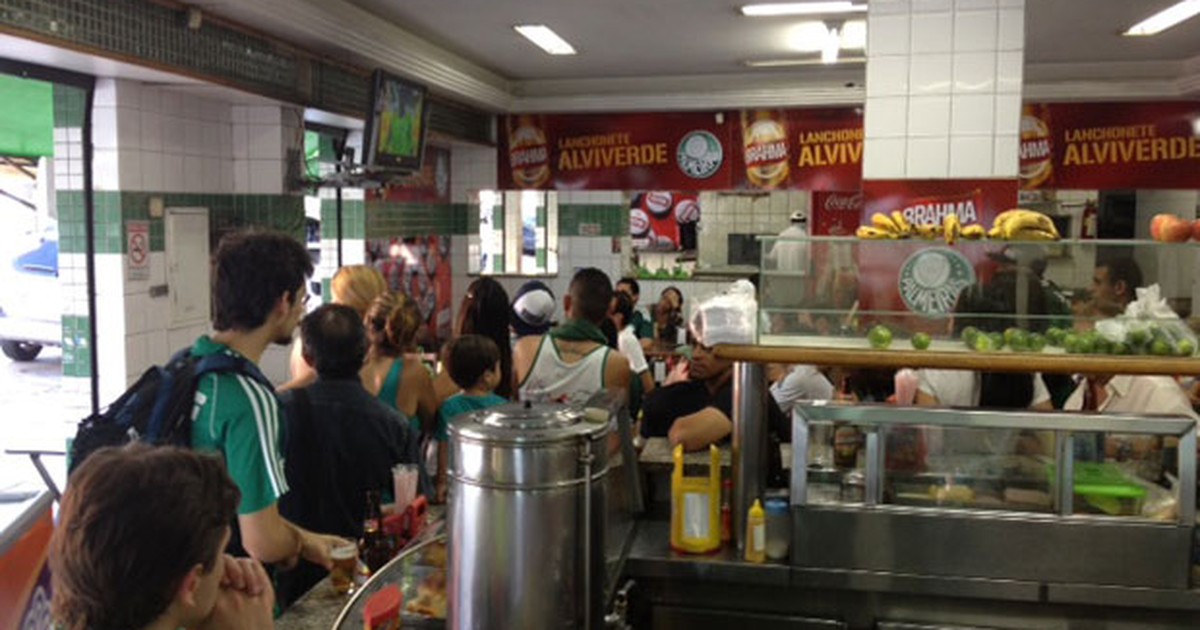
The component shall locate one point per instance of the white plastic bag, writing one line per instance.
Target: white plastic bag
(1145, 316)
(730, 317)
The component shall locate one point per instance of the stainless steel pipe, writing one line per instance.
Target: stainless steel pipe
(749, 443)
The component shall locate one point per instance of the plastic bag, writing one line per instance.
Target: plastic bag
(1146, 319)
(730, 317)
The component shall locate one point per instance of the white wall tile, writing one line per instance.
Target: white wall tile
(128, 94)
(193, 137)
(1012, 4)
(887, 34)
(1005, 160)
(106, 93)
(130, 161)
(151, 130)
(883, 158)
(974, 5)
(885, 117)
(928, 157)
(104, 129)
(190, 107)
(975, 72)
(171, 103)
(972, 114)
(929, 116)
(971, 156)
(241, 176)
(974, 30)
(884, 7)
(173, 180)
(129, 128)
(106, 172)
(241, 141)
(1011, 31)
(930, 74)
(151, 99)
(193, 174)
(152, 170)
(266, 177)
(210, 174)
(264, 142)
(265, 115)
(931, 6)
(172, 133)
(1008, 114)
(887, 76)
(1009, 72)
(932, 32)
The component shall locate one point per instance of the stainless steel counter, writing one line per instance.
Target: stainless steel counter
(679, 587)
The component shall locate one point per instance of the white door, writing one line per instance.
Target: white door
(188, 265)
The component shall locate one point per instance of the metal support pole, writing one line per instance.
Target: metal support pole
(1065, 481)
(749, 443)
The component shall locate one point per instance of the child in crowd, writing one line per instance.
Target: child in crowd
(474, 365)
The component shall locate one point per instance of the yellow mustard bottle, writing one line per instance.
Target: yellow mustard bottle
(696, 506)
(756, 533)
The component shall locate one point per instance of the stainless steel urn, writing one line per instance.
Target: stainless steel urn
(526, 517)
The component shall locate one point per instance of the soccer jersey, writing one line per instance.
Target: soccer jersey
(239, 418)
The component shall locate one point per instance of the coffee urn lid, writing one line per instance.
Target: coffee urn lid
(531, 422)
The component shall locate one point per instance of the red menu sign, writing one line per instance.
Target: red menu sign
(1110, 145)
(615, 151)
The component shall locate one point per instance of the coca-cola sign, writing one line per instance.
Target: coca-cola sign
(835, 213)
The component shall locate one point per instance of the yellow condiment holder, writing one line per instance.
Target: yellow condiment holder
(696, 506)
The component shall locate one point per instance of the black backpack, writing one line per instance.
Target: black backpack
(158, 408)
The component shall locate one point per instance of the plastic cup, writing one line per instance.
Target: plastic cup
(345, 563)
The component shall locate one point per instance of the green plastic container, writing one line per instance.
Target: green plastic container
(1104, 487)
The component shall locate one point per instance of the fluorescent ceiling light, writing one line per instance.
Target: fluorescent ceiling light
(544, 38)
(1166, 18)
(808, 37)
(805, 61)
(829, 54)
(854, 35)
(772, 9)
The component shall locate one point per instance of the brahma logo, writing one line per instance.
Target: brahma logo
(699, 154)
(1036, 152)
(932, 210)
(931, 279)
(528, 155)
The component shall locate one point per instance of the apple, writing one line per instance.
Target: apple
(1170, 228)
(1196, 230)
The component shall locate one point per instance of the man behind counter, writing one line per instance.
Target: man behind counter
(698, 411)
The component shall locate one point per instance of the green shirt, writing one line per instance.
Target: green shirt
(239, 418)
(642, 327)
(459, 404)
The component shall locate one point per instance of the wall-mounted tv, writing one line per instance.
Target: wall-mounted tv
(396, 124)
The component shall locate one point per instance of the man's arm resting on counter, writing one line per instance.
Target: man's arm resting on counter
(696, 431)
(272, 539)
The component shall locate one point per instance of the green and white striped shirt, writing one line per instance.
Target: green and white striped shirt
(238, 417)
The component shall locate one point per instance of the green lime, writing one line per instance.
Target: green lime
(880, 337)
(997, 340)
(983, 343)
(1037, 342)
(1160, 347)
(921, 341)
(1055, 335)
(1012, 332)
(1120, 347)
(1137, 337)
(1071, 343)
(968, 335)
(1099, 343)
(1186, 348)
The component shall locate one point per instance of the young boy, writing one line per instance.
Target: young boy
(474, 365)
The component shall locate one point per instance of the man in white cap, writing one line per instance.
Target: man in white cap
(785, 285)
(532, 310)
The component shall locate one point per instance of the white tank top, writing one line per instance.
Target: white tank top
(551, 379)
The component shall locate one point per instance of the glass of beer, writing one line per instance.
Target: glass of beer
(345, 562)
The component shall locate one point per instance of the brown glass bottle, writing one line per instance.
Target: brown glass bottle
(373, 548)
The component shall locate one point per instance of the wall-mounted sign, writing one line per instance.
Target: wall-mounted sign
(816, 149)
(137, 250)
(1110, 145)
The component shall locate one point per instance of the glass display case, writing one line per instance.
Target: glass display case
(1052, 496)
(1045, 296)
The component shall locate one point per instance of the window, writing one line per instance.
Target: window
(518, 233)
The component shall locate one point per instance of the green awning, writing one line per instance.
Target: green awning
(26, 117)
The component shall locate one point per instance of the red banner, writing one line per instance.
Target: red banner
(667, 151)
(801, 149)
(662, 220)
(1110, 145)
(915, 276)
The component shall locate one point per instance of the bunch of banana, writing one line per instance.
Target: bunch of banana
(951, 228)
(1023, 225)
(886, 226)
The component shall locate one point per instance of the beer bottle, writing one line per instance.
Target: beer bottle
(373, 549)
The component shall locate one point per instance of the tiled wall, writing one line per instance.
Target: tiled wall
(943, 88)
(155, 143)
(725, 214)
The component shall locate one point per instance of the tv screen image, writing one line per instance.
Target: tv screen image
(399, 113)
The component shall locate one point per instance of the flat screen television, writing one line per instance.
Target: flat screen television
(396, 124)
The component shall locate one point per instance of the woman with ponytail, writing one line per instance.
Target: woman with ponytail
(485, 310)
(392, 371)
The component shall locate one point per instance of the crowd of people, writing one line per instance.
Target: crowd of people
(280, 476)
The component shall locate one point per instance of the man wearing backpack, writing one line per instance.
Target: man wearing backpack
(258, 298)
